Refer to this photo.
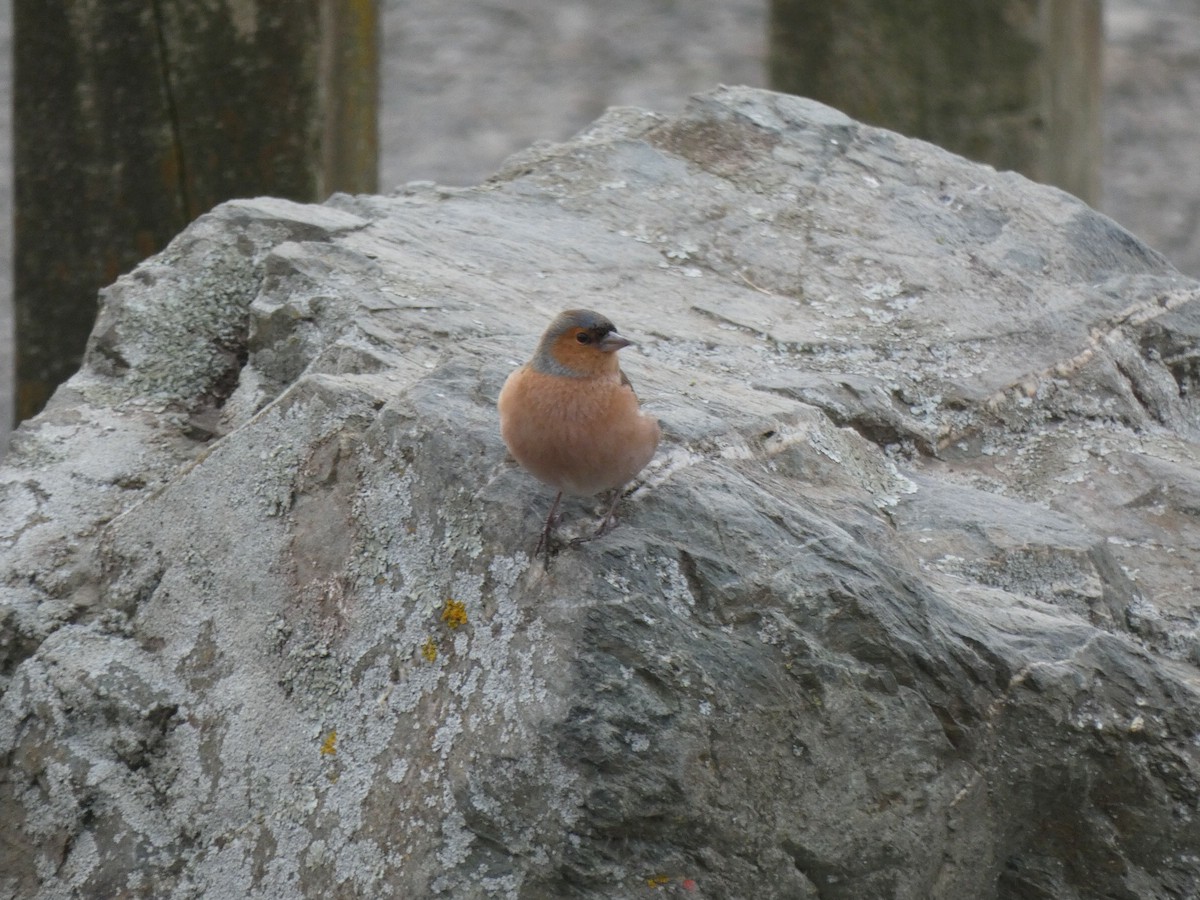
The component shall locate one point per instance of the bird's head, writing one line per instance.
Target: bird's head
(579, 342)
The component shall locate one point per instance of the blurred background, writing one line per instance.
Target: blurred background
(464, 83)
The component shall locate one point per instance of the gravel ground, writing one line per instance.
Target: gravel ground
(467, 83)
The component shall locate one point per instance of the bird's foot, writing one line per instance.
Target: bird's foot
(607, 524)
(545, 542)
(547, 537)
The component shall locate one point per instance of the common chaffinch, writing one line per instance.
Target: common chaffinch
(570, 417)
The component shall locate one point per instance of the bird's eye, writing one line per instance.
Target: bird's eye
(583, 337)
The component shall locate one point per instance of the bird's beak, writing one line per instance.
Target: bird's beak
(612, 342)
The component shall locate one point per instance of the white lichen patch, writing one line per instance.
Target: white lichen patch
(677, 593)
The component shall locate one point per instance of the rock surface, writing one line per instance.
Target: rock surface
(904, 608)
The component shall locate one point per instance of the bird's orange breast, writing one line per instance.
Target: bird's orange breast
(580, 435)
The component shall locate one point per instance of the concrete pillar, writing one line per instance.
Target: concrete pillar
(132, 118)
(1013, 83)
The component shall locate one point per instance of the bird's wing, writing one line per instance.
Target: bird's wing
(625, 381)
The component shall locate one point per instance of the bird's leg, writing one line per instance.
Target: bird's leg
(606, 523)
(545, 538)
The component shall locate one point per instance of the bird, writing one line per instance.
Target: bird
(571, 418)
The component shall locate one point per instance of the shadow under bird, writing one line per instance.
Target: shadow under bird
(570, 417)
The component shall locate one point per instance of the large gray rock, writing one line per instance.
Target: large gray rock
(904, 608)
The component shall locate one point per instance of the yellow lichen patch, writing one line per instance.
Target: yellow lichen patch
(429, 650)
(329, 745)
(454, 613)
(657, 881)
